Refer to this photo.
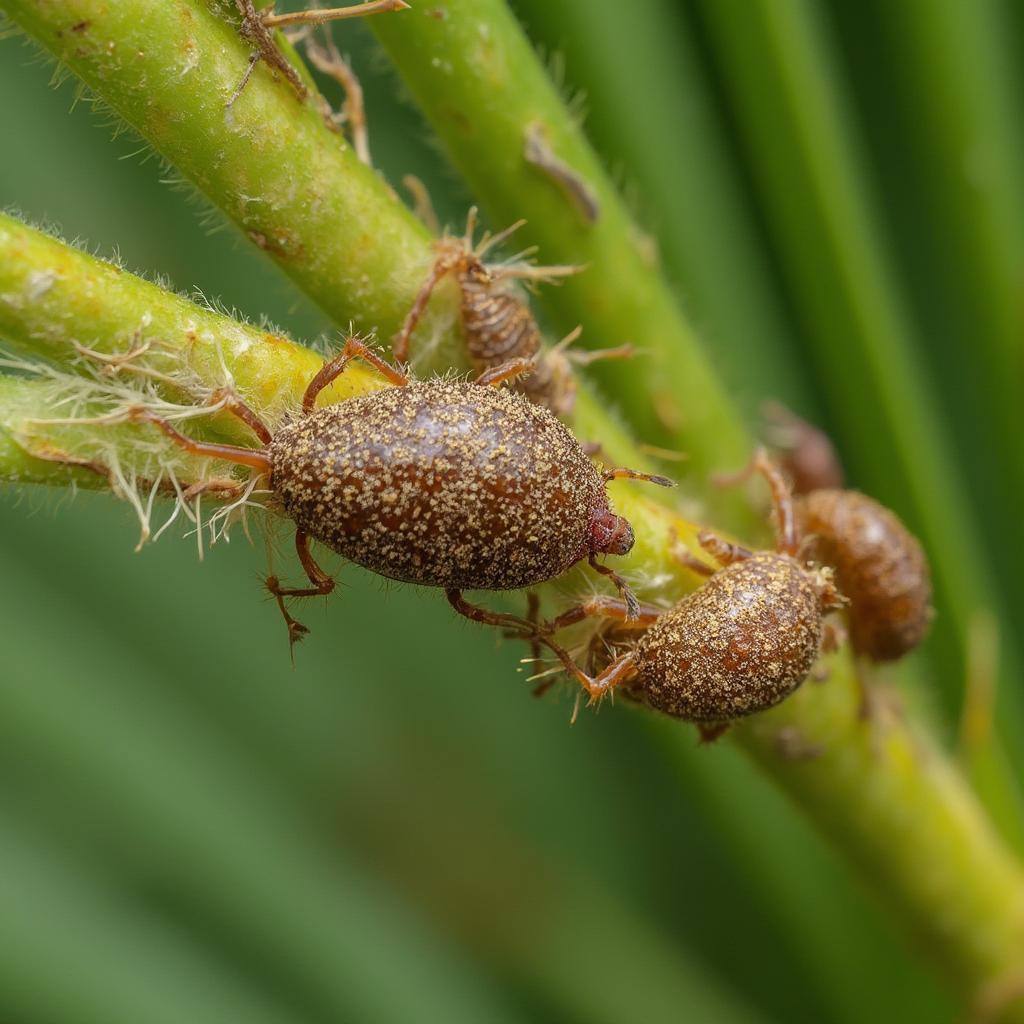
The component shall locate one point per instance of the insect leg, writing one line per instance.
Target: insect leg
(522, 627)
(619, 671)
(782, 498)
(321, 15)
(442, 265)
(258, 32)
(711, 731)
(604, 608)
(685, 558)
(234, 405)
(633, 474)
(724, 552)
(333, 369)
(322, 584)
(327, 59)
(251, 457)
(627, 595)
(495, 376)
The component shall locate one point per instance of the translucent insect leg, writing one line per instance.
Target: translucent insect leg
(782, 498)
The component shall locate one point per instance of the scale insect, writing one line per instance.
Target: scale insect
(879, 564)
(740, 644)
(806, 453)
(452, 484)
(497, 323)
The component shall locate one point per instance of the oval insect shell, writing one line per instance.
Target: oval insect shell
(880, 567)
(499, 326)
(446, 484)
(742, 643)
(496, 322)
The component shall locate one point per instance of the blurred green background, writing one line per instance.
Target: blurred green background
(192, 830)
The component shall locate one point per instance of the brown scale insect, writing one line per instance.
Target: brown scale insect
(806, 453)
(443, 483)
(741, 644)
(497, 324)
(879, 565)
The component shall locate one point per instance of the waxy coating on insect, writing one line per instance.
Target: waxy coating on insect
(497, 324)
(879, 565)
(740, 644)
(443, 483)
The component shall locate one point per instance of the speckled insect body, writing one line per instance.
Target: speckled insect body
(447, 484)
(443, 483)
(879, 565)
(498, 325)
(739, 645)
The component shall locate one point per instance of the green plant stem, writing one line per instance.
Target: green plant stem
(53, 296)
(958, 69)
(806, 156)
(676, 162)
(485, 93)
(962, 116)
(268, 162)
(884, 791)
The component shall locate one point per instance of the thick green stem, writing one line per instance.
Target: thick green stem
(889, 797)
(510, 134)
(675, 158)
(54, 297)
(862, 778)
(806, 158)
(268, 161)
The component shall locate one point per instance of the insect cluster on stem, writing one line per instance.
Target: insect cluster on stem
(452, 484)
(738, 645)
(497, 323)
(879, 564)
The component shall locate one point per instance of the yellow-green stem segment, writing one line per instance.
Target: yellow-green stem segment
(268, 161)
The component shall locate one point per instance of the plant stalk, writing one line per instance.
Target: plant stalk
(884, 791)
(509, 133)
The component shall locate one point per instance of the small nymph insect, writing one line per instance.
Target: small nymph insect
(497, 323)
(738, 645)
(450, 484)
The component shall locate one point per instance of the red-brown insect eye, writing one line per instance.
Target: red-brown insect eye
(611, 534)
